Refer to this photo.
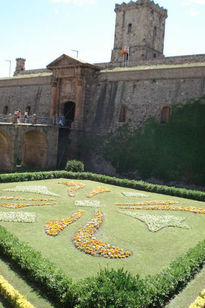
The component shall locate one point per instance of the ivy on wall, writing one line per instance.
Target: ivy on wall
(168, 151)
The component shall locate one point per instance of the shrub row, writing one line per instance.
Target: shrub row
(140, 185)
(112, 288)
(12, 296)
(200, 301)
(109, 288)
(50, 280)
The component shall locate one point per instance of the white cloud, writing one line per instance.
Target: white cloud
(76, 2)
(193, 12)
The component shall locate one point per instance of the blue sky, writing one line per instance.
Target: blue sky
(42, 30)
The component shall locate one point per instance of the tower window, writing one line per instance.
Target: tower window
(165, 114)
(129, 30)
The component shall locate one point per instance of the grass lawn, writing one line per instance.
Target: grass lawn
(151, 251)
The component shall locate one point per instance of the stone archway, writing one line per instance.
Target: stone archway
(34, 150)
(5, 152)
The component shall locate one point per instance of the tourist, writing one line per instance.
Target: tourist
(25, 117)
(18, 116)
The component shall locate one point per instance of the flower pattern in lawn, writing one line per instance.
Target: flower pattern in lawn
(98, 190)
(54, 227)
(133, 194)
(87, 203)
(32, 189)
(25, 199)
(196, 210)
(72, 187)
(158, 222)
(17, 217)
(86, 242)
(21, 205)
(167, 202)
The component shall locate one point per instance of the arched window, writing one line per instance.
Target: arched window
(165, 114)
(28, 109)
(129, 29)
(5, 110)
(123, 114)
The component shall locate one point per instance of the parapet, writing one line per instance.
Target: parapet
(141, 3)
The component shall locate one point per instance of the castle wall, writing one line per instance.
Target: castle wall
(143, 93)
(21, 92)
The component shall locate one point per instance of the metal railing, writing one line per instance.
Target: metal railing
(35, 120)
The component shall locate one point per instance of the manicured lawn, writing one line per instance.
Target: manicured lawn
(151, 251)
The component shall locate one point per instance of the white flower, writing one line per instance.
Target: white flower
(157, 222)
(133, 194)
(32, 189)
(17, 217)
(89, 203)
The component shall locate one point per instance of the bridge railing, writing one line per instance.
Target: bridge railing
(34, 119)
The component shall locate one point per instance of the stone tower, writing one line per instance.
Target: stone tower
(139, 32)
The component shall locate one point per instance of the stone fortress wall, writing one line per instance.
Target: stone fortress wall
(131, 88)
(143, 93)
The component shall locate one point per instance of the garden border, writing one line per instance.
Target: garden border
(152, 291)
(140, 185)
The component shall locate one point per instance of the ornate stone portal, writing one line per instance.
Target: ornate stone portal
(69, 81)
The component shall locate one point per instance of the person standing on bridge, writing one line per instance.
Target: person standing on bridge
(18, 116)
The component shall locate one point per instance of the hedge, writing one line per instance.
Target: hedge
(50, 280)
(140, 185)
(109, 288)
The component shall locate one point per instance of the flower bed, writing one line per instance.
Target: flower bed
(73, 187)
(25, 199)
(155, 223)
(13, 296)
(98, 190)
(133, 194)
(87, 203)
(54, 227)
(166, 208)
(21, 205)
(86, 242)
(32, 189)
(167, 202)
(17, 217)
(200, 301)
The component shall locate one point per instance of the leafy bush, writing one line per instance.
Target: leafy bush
(110, 288)
(74, 166)
(52, 281)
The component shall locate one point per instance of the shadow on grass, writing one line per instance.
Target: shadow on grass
(30, 283)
